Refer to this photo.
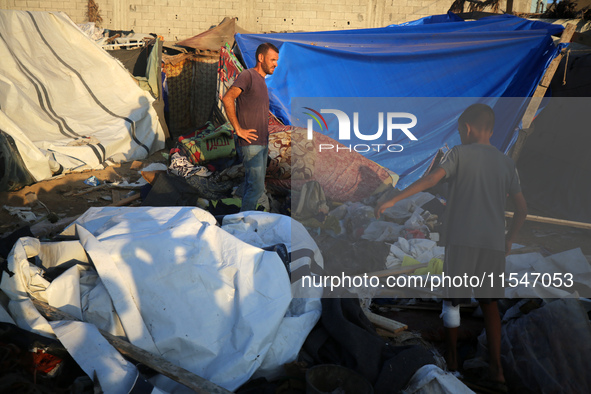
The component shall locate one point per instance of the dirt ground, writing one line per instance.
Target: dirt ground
(62, 195)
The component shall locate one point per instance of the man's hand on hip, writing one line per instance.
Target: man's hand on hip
(248, 134)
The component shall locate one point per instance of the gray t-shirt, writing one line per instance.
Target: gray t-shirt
(252, 106)
(480, 178)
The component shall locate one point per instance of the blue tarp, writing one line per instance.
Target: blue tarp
(449, 17)
(500, 56)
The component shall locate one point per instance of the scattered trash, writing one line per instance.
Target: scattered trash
(155, 167)
(92, 181)
(540, 233)
(23, 213)
(136, 165)
(131, 193)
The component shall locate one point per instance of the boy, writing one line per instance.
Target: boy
(480, 177)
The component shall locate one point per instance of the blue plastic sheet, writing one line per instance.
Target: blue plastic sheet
(500, 56)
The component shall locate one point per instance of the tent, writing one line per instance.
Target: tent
(213, 39)
(64, 102)
(477, 61)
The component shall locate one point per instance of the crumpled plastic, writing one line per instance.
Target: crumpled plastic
(422, 250)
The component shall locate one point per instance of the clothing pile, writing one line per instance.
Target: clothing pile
(203, 170)
(354, 242)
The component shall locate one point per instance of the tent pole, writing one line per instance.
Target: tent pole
(559, 222)
(509, 9)
(534, 104)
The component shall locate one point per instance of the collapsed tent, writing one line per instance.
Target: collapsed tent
(215, 38)
(500, 56)
(207, 299)
(65, 102)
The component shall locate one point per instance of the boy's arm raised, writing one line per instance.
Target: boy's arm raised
(422, 184)
(518, 220)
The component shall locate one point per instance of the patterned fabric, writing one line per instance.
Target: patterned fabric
(285, 142)
(181, 166)
(228, 69)
(344, 176)
(210, 144)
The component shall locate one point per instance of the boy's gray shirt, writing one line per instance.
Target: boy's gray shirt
(480, 178)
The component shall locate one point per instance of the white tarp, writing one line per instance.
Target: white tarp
(430, 379)
(115, 374)
(181, 286)
(264, 230)
(67, 102)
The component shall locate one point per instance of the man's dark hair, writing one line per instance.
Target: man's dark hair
(264, 48)
(480, 116)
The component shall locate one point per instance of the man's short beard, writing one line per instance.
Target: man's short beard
(268, 70)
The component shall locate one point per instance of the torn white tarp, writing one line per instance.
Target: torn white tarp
(555, 276)
(206, 300)
(430, 379)
(265, 230)
(96, 357)
(65, 101)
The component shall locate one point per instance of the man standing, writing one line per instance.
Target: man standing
(247, 107)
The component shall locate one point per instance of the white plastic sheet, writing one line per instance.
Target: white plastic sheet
(568, 262)
(206, 300)
(263, 230)
(96, 356)
(430, 379)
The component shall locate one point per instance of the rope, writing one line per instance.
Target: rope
(565, 68)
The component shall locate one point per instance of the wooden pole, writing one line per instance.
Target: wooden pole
(157, 363)
(509, 9)
(559, 222)
(383, 322)
(538, 95)
(126, 201)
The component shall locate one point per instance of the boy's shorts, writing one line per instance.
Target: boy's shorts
(480, 271)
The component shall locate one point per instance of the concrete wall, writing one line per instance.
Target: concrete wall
(180, 19)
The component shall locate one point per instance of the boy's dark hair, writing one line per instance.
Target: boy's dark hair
(480, 116)
(264, 48)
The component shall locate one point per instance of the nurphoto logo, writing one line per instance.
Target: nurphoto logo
(395, 122)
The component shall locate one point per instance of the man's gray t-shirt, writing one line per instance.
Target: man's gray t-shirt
(252, 106)
(480, 178)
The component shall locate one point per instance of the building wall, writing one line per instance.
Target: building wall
(180, 19)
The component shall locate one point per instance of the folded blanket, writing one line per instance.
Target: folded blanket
(209, 144)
